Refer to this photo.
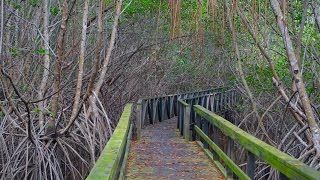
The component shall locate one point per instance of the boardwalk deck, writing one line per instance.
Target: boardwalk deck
(161, 153)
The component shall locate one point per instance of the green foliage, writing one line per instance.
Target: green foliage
(16, 5)
(282, 68)
(54, 10)
(37, 110)
(42, 51)
(34, 3)
(24, 88)
(1, 115)
(52, 114)
(15, 52)
(140, 7)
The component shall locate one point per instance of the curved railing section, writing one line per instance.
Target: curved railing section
(156, 109)
(112, 161)
(219, 102)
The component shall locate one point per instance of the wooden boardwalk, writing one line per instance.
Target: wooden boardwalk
(162, 153)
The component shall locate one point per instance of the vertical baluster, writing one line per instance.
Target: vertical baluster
(206, 131)
(251, 165)
(230, 150)
(186, 118)
(177, 97)
(207, 101)
(221, 102)
(171, 106)
(193, 118)
(218, 103)
(182, 119)
(150, 111)
(179, 115)
(144, 112)
(282, 176)
(167, 107)
(137, 123)
(163, 109)
(215, 140)
(154, 110)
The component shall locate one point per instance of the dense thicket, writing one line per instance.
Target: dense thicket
(68, 68)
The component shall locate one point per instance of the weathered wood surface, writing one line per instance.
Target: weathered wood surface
(162, 153)
(281, 161)
(110, 161)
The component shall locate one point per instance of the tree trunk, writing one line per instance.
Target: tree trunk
(46, 65)
(81, 60)
(297, 75)
(58, 65)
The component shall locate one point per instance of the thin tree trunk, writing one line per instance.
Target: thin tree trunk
(297, 75)
(110, 48)
(98, 85)
(240, 69)
(81, 60)
(46, 66)
(97, 50)
(1, 30)
(58, 64)
(316, 11)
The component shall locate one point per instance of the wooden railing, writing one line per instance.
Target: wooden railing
(218, 102)
(196, 115)
(197, 111)
(157, 109)
(112, 161)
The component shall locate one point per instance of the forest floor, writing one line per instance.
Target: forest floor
(162, 153)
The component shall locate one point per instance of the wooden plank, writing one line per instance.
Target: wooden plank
(222, 155)
(291, 167)
(109, 163)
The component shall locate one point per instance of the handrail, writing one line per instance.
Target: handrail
(191, 92)
(287, 165)
(112, 157)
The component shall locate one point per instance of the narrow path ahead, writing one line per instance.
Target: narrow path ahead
(162, 154)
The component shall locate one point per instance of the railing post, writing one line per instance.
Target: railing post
(179, 113)
(215, 140)
(251, 165)
(230, 150)
(138, 123)
(282, 176)
(186, 128)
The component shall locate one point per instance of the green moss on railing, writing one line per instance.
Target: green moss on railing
(289, 166)
(108, 164)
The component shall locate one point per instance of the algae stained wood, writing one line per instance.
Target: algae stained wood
(109, 162)
(281, 161)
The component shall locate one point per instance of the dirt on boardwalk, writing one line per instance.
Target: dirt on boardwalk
(162, 153)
